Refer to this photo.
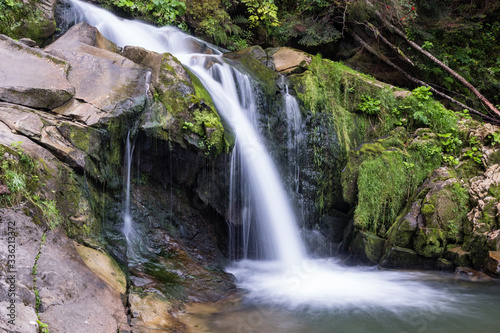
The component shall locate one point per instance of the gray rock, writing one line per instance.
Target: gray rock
(106, 83)
(32, 77)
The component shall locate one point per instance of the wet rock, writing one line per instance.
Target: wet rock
(108, 83)
(471, 274)
(151, 312)
(398, 257)
(430, 242)
(32, 77)
(444, 265)
(401, 233)
(493, 263)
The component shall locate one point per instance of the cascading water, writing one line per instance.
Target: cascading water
(127, 218)
(287, 277)
(294, 136)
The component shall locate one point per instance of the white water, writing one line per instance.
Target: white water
(288, 277)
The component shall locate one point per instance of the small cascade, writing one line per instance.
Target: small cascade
(127, 218)
(294, 137)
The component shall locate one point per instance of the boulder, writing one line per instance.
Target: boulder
(493, 263)
(401, 233)
(457, 256)
(430, 242)
(107, 84)
(288, 60)
(367, 247)
(32, 77)
(398, 257)
(42, 128)
(73, 299)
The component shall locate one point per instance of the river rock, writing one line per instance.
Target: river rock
(32, 77)
(107, 84)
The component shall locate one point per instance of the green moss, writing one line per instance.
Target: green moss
(368, 247)
(430, 242)
(265, 77)
(428, 209)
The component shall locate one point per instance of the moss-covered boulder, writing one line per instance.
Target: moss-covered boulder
(367, 247)
(430, 242)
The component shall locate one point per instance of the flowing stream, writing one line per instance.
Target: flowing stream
(284, 289)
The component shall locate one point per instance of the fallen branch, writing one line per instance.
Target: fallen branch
(441, 64)
(422, 83)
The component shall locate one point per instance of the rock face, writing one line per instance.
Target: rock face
(72, 297)
(31, 77)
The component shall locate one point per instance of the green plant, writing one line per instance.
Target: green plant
(369, 105)
(495, 138)
(187, 125)
(450, 142)
(450, 160)
(427, 45)
(262, 13)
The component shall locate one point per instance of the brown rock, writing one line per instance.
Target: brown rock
(493, 263)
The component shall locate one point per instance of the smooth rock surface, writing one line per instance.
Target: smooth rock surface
(106, 82)
(31, 77)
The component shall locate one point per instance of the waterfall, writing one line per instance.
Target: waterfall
(127, 218)
(258, 204)
(294, 136)
(264, 206)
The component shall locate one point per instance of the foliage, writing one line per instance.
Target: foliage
(262, 13)
(160, 12)
(19, 18)
(18, 172)
(309, 22)
(369, 105)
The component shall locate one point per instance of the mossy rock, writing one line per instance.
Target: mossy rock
(368, 247)
(183, 111)
(398, 257)
(457, 255)
(401, 233)
(430, 242)
(245, 62)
